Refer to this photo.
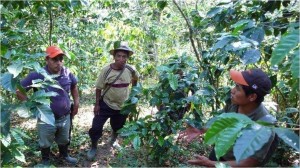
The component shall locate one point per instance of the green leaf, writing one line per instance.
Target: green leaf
(134, 100)
(161, 141)
(136, 142)
(251, 56)
(289, 137)
(240, 117)
(240, 25)
(258, 35)
(17, 137)
(20, 132)
(295, 67)
(227, 138)
(117, 44)
(5, 119)
(217, 128)
(292, 110)
(214, 11)
(6, 140)
(45, 113)
(8, 83)
(19, 155)
(23, 110)
(173, 81)
(162, 4)
(250, 141)
(288, 42)
(42, 94)
(220, 44)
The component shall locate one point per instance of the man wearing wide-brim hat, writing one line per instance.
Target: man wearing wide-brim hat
(112, 90)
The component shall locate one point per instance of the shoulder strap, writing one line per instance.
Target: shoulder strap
(107, 72)
(130, 69)
(109, 86)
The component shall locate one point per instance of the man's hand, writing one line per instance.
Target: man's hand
(189, 134)
(201, 161)
(74, 110)
(97, 109)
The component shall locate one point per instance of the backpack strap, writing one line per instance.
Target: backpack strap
(107, 72)
(126, 66)
(130, 69)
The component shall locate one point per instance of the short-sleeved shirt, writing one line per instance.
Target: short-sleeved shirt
(118, 93)
(60, 104)
(262, 114)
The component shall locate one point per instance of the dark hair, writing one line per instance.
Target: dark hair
(248, 90)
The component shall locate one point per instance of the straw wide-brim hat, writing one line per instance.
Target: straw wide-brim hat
(122, 48)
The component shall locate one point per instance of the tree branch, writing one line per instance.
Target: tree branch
(37, 29)
(190, 30)
(50, 27)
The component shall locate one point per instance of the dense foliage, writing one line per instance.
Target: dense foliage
(214, 38)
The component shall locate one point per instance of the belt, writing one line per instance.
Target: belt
(61, 117)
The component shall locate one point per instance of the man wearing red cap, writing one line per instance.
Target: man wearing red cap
(246, 98)
(112, 90)
(60, 104)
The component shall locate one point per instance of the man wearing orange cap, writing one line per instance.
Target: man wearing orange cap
(112, 90)
(60, 104)
(246, 98)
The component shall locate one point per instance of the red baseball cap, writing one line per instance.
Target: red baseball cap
(254, 78)
(53, 51)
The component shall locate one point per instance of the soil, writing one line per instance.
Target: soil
(80, 143)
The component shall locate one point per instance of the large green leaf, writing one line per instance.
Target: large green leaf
(45, 113)
(173, 81)
(23, 110)
(223, 42)
(250, 141)
(6, 140)
(217, 128)
(240, 117)
(15, 68)
(289, 137)
(258, 34)
(19, 155)
(214, 11)
(251, 56)
(227, 138)
(8, 82)
(17, 137)
(42, 94)
(288, 42)
(5, 119)
(136, 142)
(295, 67)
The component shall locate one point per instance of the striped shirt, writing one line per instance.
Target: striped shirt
(119, 91)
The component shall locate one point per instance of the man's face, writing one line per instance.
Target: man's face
(55, 64)
(238, 95)
(121, 58)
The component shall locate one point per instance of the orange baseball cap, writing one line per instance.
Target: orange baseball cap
(254, 78)
(53, 51)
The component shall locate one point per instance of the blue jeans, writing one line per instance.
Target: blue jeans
(59, 133)
(117, 121)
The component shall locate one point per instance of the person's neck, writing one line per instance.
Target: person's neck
(248, 108)
(116, 67)
(51, 72)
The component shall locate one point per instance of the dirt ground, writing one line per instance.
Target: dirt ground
(80, 142)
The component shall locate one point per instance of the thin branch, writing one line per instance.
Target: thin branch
(50, 27)
(190, 30)
(37, 29)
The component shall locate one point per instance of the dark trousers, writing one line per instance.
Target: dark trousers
(117, 121)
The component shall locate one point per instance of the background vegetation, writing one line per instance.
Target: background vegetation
(207, 39)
